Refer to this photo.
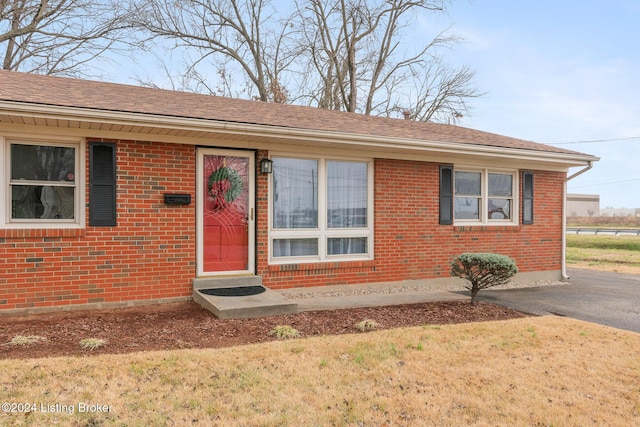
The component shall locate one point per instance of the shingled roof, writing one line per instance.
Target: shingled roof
(109, 97)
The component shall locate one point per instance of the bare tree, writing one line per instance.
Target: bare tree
(349, 55)
(58, 36)
(359, 64)
(441, 94)
(229, 33)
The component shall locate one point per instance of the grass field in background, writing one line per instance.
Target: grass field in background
(536, 371)
(616, 253)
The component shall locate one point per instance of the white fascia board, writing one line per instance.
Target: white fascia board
(382, 143)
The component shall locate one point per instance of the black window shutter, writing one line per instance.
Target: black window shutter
(446, 194)
(527, 198)
(102, 184)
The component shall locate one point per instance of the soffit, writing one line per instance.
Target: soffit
(149, 127)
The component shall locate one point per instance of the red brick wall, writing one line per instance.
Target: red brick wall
(149, 254)
(409, 242)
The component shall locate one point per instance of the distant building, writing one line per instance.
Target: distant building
(583, 205)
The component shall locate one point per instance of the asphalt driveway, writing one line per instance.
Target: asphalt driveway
(610, 299)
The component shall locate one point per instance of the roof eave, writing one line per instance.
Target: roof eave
(384, 143)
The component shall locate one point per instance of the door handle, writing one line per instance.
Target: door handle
(248, 218)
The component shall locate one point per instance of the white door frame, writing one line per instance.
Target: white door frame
(250, 155)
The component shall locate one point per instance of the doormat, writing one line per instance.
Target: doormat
(238, 291)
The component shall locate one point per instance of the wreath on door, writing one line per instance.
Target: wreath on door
(224, 186)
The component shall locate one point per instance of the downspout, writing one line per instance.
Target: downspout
(565, 276)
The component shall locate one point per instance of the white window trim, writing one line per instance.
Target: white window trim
(5, 194)
(322, 233)
(484, 196)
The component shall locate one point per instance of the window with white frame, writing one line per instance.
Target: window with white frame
(42, 185)
(321, 209)
(484, 196)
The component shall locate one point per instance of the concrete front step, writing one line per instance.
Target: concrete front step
(267, 303)
(226, 282)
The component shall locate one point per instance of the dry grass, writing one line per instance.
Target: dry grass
(285, 332)
(25, 340)
(367, 325)
(92, 343)
(605, 222)
(531, 371)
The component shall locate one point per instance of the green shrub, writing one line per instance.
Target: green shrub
(483, 270)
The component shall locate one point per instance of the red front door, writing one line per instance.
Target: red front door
(227, 212)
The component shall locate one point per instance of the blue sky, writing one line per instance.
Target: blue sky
(559, 71)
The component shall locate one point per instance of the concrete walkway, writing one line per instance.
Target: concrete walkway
(282, 301)
(610, 299)
(372, 295)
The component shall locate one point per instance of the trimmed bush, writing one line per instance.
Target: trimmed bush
(483, 270)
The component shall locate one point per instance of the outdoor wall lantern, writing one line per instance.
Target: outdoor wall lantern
(266, 165)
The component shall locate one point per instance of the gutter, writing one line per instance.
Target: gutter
(565, 276)
(285, 134)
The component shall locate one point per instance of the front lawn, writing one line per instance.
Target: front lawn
(530, 371)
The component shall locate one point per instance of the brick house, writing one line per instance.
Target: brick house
(115, 194)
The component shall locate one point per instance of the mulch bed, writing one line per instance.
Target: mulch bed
(187, 325)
